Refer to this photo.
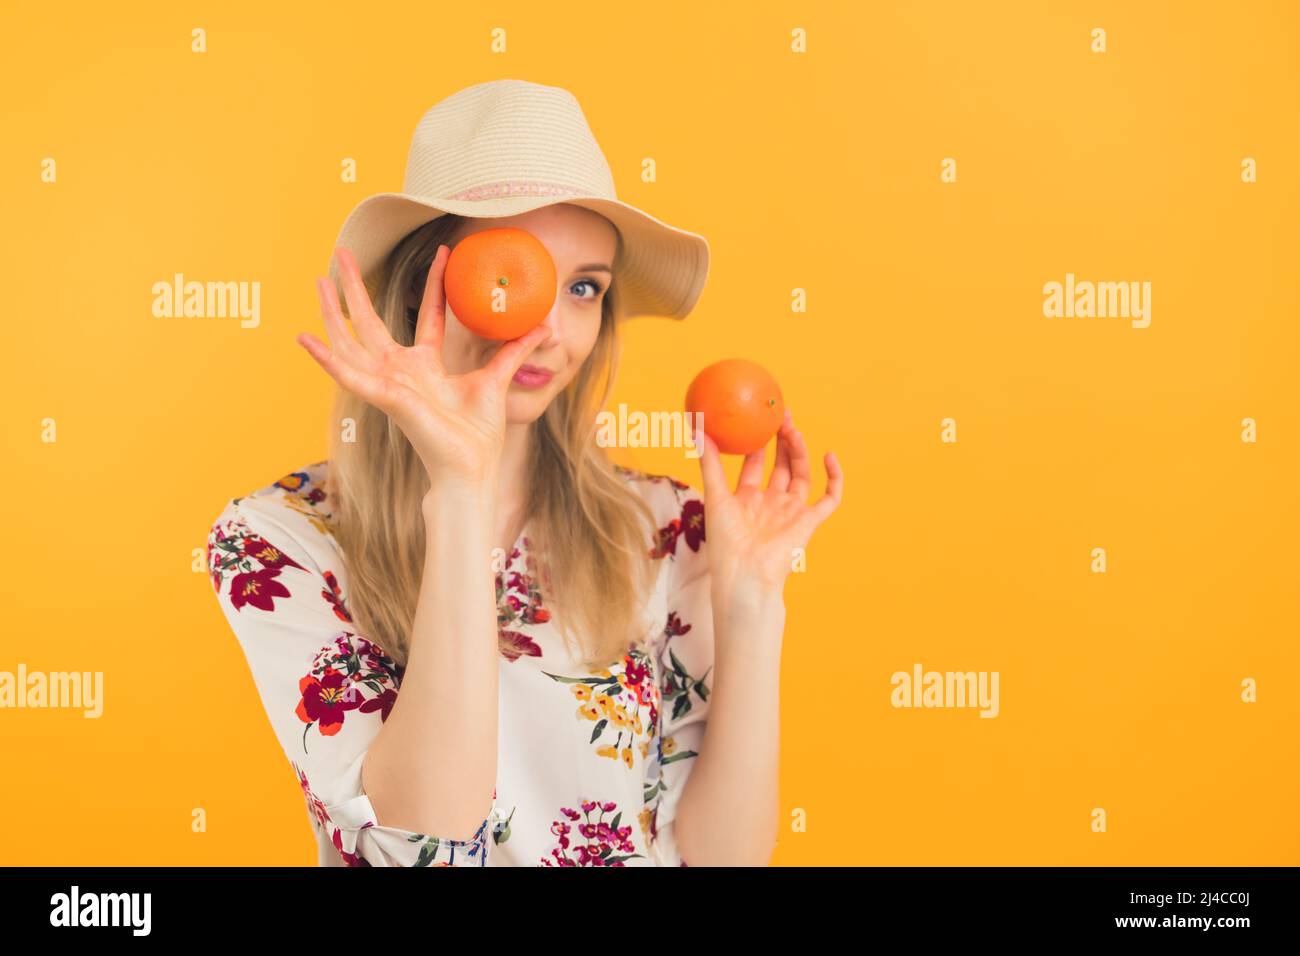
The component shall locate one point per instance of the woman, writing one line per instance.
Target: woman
(557, 718)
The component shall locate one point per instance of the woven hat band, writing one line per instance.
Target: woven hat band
(514, 187)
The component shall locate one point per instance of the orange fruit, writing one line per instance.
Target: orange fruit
(741, 403)
(500, 283)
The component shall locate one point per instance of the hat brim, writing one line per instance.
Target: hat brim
(662, 271)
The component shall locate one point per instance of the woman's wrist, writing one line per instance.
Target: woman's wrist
(450, 496)
(748, 600)
(459, 524)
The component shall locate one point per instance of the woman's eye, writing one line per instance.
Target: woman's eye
(595, 287)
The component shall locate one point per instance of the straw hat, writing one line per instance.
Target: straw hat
(505, 147)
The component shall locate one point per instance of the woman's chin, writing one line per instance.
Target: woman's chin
(525, 406)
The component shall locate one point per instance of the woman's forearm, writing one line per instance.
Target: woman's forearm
(728, 812)
(432, 767)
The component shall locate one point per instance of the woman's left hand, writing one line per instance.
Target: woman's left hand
(752, 533)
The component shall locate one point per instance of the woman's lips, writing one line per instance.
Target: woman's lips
(530, 376)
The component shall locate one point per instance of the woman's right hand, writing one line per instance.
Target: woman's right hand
(456, 423)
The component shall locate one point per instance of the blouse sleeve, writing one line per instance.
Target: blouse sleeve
(684, 662)
(326, 689)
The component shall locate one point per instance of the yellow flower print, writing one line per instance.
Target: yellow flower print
(669, 745)
(613, 698)
(297, 503)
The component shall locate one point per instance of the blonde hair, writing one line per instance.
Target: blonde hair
(587, 527)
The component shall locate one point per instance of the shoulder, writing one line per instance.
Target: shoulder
(303, 492)
(290, 517)
(678, 509)
(658, 490)
(307, 486)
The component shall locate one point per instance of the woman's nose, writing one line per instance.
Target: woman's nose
(553, 322)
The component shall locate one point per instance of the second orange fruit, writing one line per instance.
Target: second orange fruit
(500, 283)
(741, 402)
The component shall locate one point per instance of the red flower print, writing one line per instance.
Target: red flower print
(383, 703)
(607, 844)
(234, 548)
(667, 542)
(516, 645)
(325, 701)
(268, 554)
(519, 602)
(371, 654)
(689, 525)
(349, 673)
(351, 859)
(313, 802)
(258, 588)
(635, 670)
(561, 830)
(692, 523)
(335, 597)
(675, 625)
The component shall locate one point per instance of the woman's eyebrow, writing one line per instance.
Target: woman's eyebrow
(594, 267)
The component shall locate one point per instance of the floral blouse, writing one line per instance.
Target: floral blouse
(591, 763)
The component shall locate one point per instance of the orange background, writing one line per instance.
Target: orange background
(817, 171)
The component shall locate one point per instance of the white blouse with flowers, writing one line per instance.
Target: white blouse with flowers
(591, 762)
